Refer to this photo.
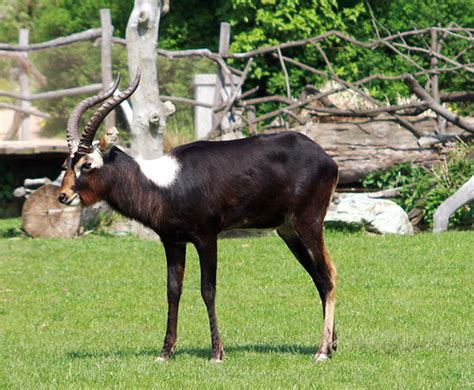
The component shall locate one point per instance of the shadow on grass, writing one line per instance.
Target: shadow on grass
(204, 353)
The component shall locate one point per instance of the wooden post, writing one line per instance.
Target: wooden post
(224, 43)
(441, 122)
(25, 134)
(106, 59)
(251, 116)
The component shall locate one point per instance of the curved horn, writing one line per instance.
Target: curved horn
(85, 145)
(72, 131)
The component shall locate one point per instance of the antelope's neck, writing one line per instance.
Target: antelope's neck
(138, 186)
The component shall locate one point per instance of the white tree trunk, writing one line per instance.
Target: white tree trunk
(149, 113)
(450, 205)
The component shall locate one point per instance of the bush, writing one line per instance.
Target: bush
(7, 184)
(424, 189)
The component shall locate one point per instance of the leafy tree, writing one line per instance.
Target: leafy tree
(257, 23)
(267, 22)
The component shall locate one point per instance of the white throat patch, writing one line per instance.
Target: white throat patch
(163, 171)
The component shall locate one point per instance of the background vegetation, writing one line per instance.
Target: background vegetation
(83, 313)
(424, 189)
(257, 23)
(195, 24)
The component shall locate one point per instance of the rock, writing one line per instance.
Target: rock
(376, 215)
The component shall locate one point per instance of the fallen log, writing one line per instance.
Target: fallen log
(361, 146)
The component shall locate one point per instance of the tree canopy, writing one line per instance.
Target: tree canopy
(257, 23)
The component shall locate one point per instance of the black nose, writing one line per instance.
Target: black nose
(62, 197)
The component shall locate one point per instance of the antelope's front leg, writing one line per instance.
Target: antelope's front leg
(207, 250)
(175, 259)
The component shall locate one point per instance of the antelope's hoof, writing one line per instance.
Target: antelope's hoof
(162, 359)
(218, 356)
(321, 357)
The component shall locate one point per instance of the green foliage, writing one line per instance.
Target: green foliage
(258, 23)
(7, 183)
(72, 66)
(91, 313)
(394, 16)
(11, 228)
(265, 23)
(425, 189)
(49, 19)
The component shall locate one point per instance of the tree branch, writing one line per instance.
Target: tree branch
(87, 35)
(418, 90)
(8, 106)
(93, 88)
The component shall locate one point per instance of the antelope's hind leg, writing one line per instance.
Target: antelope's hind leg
(175, 259)
(306, 243)
(207, 250)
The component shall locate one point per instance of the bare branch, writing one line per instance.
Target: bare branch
(87, 35)
(231, 101)
(27, 66)
(285, 72)
(418, 90)
(373, 112)
(40, 114)
(400, 120)
(463, 96)
(367, 45)
(404, 56)
(297, 105)
(266, 99)
(296, 117)
(176, 99)
(435, 54)
(93, 88)
(377, 76)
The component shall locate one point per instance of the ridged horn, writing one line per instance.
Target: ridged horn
(72, 131)
(90, 130)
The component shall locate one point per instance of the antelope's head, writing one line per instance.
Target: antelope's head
(85, 160)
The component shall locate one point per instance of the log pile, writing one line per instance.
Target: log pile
(363, 145)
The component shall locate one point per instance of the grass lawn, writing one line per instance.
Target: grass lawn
(91, 312)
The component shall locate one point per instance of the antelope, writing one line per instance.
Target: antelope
(281, 181)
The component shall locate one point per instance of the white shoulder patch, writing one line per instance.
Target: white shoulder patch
(163, 171)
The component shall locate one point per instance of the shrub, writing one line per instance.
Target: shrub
(425, 189)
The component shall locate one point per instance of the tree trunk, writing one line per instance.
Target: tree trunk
(149, 113)
(25, 133)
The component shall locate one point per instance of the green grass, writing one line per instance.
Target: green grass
(91, 312)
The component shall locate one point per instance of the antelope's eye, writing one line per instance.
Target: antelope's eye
(86, 167)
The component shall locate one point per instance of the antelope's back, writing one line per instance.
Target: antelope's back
(251, 182)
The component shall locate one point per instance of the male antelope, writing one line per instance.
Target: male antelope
(282, 181)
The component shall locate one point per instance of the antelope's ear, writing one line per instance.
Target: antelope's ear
(109, 139)
(65, 164)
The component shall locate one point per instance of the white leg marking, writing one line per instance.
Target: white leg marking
(163, 171)
(321, 357)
